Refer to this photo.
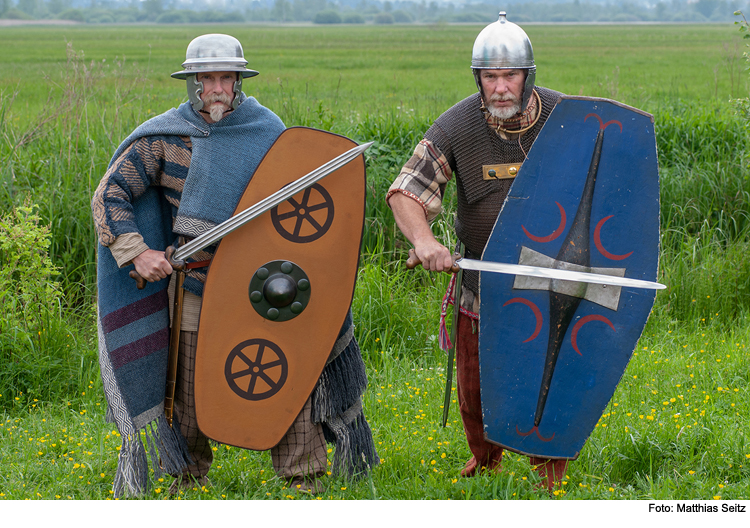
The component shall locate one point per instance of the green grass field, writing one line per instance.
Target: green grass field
(675, 429)
(423, 69)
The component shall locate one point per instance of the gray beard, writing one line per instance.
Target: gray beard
(216, 112)
(505, 113)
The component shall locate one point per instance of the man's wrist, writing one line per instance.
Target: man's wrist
(126, 247)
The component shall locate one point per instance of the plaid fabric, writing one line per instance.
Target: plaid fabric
(302, 451)
(423, 178)
(184, 408)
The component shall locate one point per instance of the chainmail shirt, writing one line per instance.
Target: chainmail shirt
(462, 135)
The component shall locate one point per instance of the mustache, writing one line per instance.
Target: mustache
(217, 98)
(499, 98)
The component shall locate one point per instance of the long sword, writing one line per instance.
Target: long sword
(545, 273)
(221, 230)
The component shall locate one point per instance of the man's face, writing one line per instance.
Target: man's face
(218, 93)
(503, 91)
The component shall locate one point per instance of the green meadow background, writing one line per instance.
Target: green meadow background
(677, 426)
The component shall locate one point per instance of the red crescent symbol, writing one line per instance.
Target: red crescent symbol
(556, 233)
(583, 321)
(603, 125)
(598, 241)
(535, 429)
(535, 309)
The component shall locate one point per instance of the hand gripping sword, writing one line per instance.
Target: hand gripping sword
(176, 257)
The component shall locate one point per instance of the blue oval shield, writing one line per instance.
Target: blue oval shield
(552, 352)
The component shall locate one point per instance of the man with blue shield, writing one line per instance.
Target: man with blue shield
(555, 250)
(483, 140)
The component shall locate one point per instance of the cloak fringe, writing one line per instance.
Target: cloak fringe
(337, 404)
(131, 477)
(167, 450)
(355, 451)
(341, 384)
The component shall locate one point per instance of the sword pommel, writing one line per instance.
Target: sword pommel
(140, 282)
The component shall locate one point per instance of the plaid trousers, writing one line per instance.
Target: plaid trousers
(301, 453)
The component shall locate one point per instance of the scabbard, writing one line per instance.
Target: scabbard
(454, 339)
(174, 336)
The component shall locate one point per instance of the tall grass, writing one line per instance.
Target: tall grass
(57, 158)
(705, 211)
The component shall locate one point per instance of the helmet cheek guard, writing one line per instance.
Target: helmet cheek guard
(503, 45)
(195, 89)
(237, 91)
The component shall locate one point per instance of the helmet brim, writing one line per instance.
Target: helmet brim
(217, 68)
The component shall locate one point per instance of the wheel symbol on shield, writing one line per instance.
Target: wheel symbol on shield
(305, 220)
(256, 369)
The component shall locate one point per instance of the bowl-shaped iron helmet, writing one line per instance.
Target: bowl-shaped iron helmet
(213, 53)
(504, 45)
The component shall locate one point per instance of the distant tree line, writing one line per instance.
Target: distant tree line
(365, 11)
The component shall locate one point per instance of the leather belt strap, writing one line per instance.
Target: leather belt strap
(199, 264)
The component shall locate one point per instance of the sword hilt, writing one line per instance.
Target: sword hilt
(413, 261)
(177, 265)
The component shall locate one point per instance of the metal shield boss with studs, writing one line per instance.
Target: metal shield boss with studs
(552, 352)
(277, 293)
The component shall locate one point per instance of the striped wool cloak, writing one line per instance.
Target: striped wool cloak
(134, 324)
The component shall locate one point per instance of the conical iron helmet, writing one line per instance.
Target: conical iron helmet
(213, 53)
(504, 45)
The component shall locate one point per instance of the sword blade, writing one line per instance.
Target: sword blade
(221, 230)
(551, 273)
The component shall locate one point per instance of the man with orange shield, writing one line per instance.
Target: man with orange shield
(181, 174)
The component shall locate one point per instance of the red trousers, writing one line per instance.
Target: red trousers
(486, 454)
